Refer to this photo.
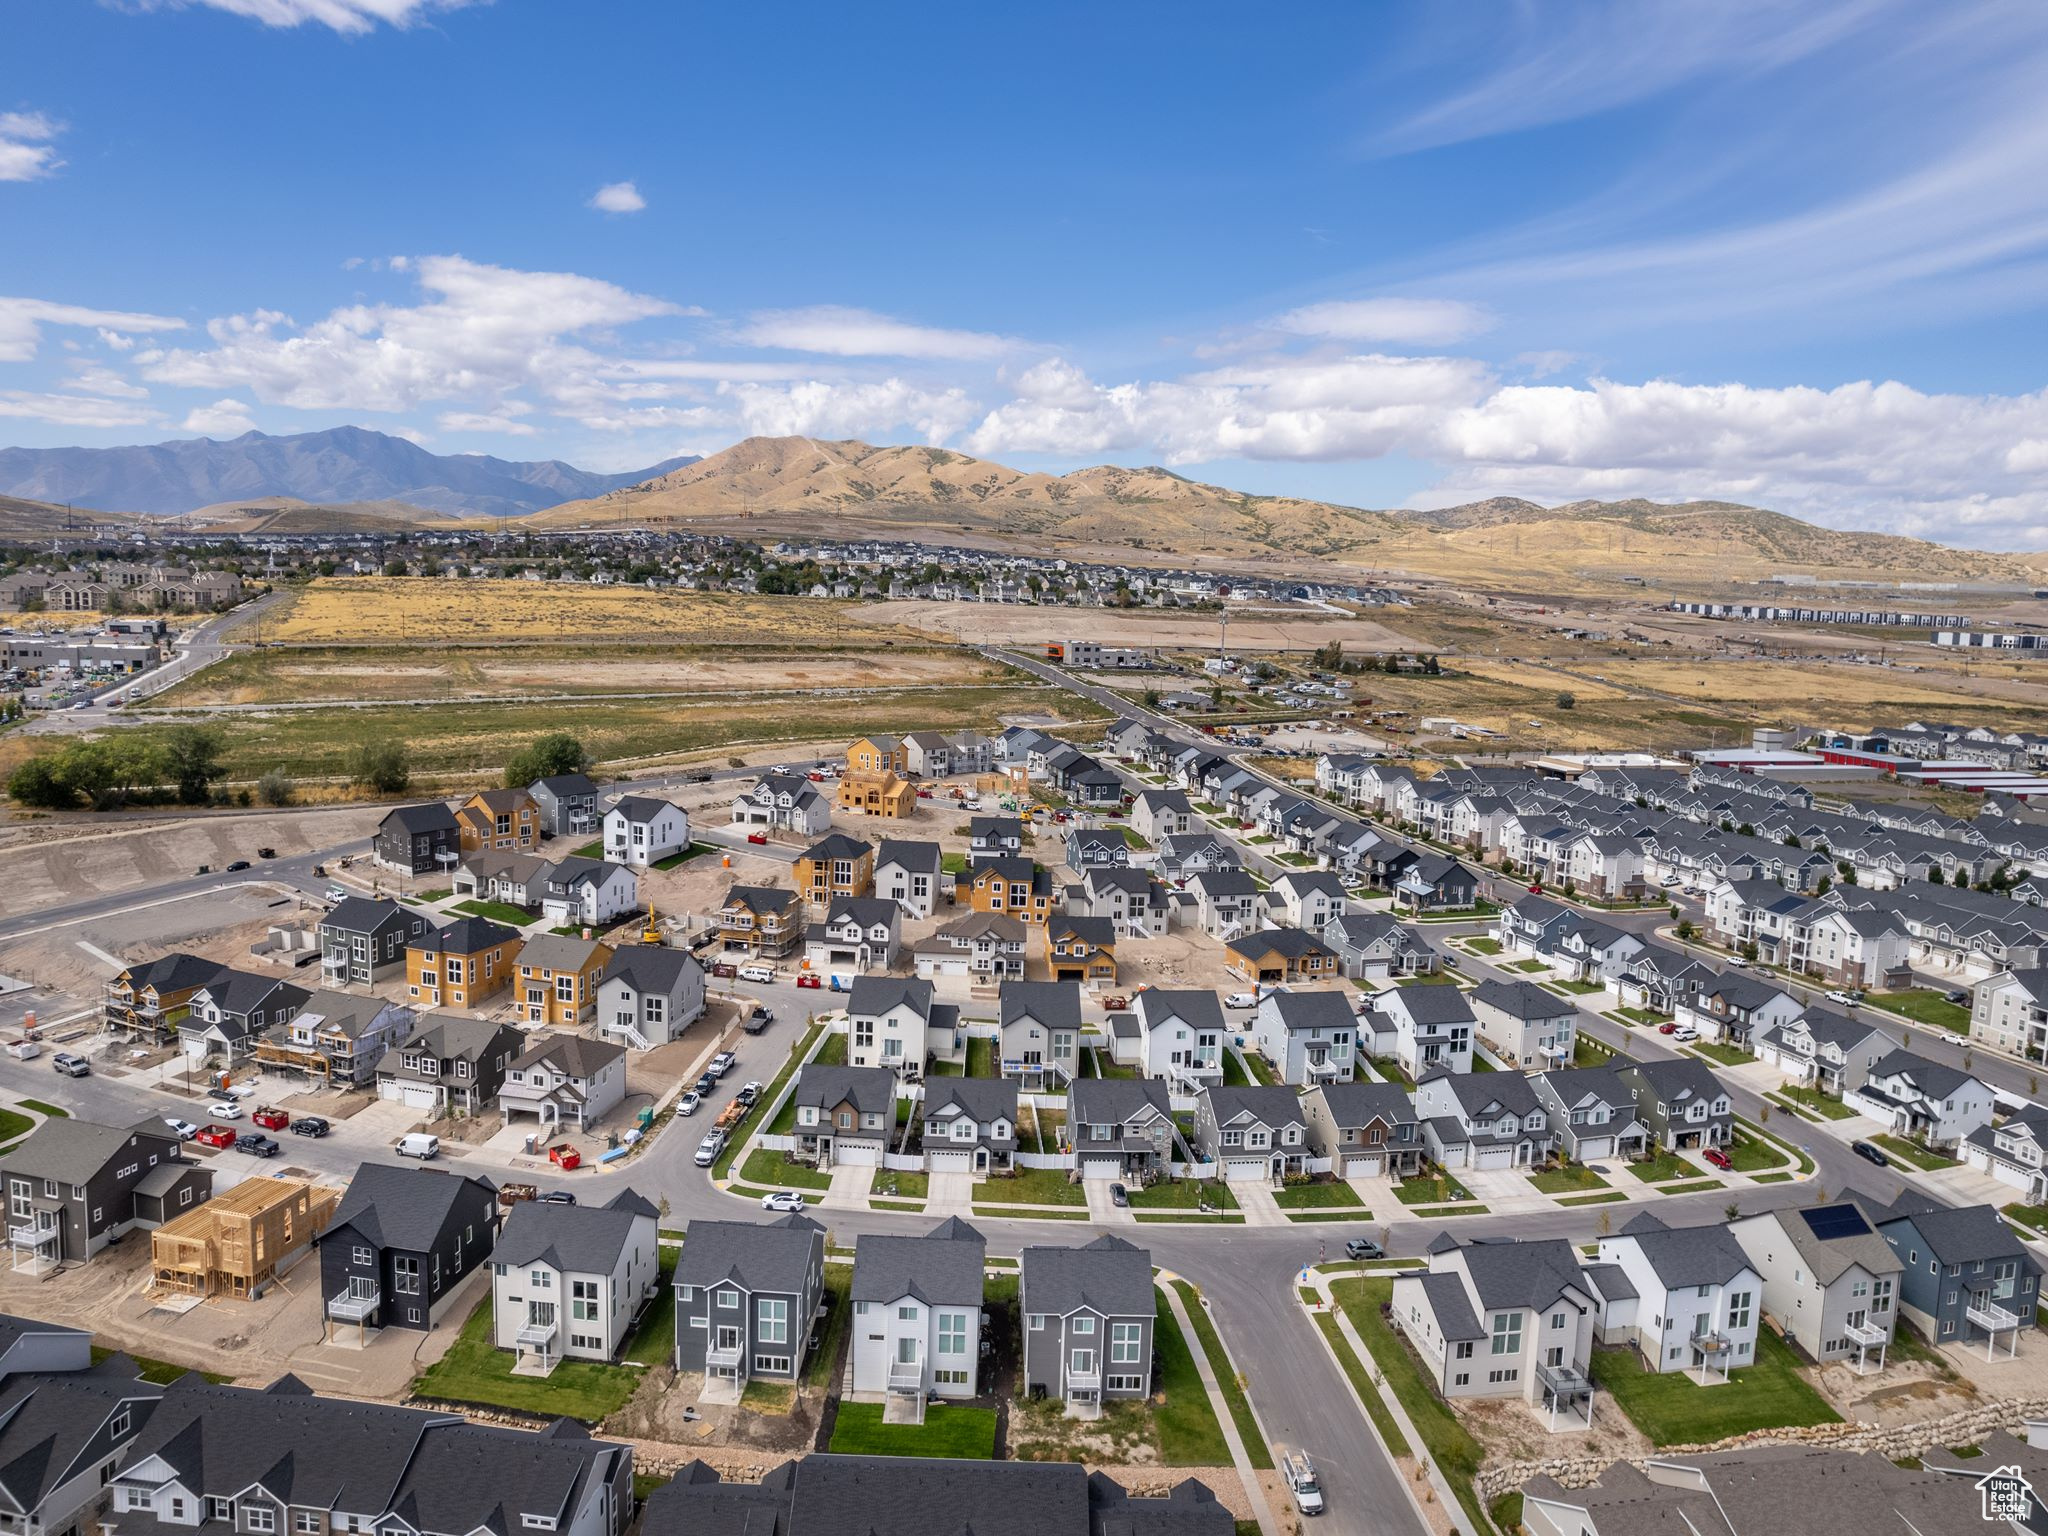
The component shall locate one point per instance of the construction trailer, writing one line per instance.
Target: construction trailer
(239, 1242)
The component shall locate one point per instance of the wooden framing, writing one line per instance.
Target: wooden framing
(235, 1244)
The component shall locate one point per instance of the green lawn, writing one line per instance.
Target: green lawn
(161, 1372)
(774, 1170)
(653, 1342)
(981, 1057)
(1640, 1016)
(1317, 1196)
(1672, 1410)
(496, 911)
(1431, 1189)
(1183, 1195)
(1754, 1154)
(1529, 967)
(1924, 1006)
(838, 1286)
(1483, 946)
(48, 1111)
(1726, 1055)
(1261, 1069)
(1663, 1167)
(1234, 1074)
(833, 1052)
(1189, 1435)
(1030, 1186)
(1579, 988)
(949, 1430)
(1568, 1180)
(1919, 1156)
(1690, 1187)
(474, 1371)
(1813, 1099)
(1588, 1052)
(1445, 1441)
(13, 1125)
(910, 1185)
(1605, 1198)
(1255, 1447)
(2035, 1216)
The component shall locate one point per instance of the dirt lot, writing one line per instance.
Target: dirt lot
(1903, 1391)
(1289, 629)
(1513, 1431)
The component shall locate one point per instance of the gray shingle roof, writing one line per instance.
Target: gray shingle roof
(585, 1239)
(1523, 1000)
(756, 1256)
(878, 994)
(577, 1055)
(402, 1208)
(1360, 1103)
(1271, 1104)
(1313, 1010)
(1109, 1276)
(650, 967)
(1113, 1100)
(871, 1090)
(982, 1099)
(71, 1151)
(1428, 1004)
(1683, 1256)
(1531, 1273)
(1966, 1233)
(1455, 1318)
(943, 1268)
(1055, 1004)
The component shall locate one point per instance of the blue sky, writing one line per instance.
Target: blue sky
(1385, 254)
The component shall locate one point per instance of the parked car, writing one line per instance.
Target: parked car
(236, 865)
(1667, 1028)
(722, 1063)
(1719, 1159)
(782, 1200)
(70, 1065)
(1241, 1000)
(1955, 995)
(1364, 1248)
(708, 1083)
(334, 893)
(271, 1119)
(1870, 1153)
(757, 837)
(1685, 1033)
(757, 973)
(1846, 999)
(556, 1197)
(761, 1018)
(215, 1136)
(225, 1109)
(709, 1148)
(687, 1104)
(256, 1144)
(1118, 1195)
(420, 1145)
(749, 1094)
(184, 1130)
(310, 1125)
(810, 980)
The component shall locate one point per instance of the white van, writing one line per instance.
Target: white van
(420, 1145)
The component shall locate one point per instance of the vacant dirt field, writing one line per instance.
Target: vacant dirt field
(1018, 624)
(1853, 690)
(406, 611)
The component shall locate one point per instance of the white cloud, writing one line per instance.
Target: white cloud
(483, 332)
(842, 332)
(504, 420)
(26, 151)
(97, 379)
(816, 408)
(1392, 322)
(74, 410)
(22, 320)
(223, 418)
(618, 197)
(345, 16)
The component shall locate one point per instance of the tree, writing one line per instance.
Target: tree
(274, 788)
(384, 766)
(544, 757)
(1151, 698)
(1567, 701)
(394, 567)
(39, 783)
(1685, 928)
(192, 760)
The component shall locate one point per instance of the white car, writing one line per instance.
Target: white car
(1844, 999)
(782, 1200)
(687, 1104)
(184, 1130)
(1240, 1000)
(1685, 1033)
(757, 973)
(225, 1109)
(709, 1148)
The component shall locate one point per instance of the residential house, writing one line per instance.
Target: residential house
(1158, 814)
(1607, 866)
(1833, 1052)
(400, 1243)
(1187, 854)
(1483, 1120)
(875, 792)
(917, 1314)
(1309, 1037)
(911, 874)
(1366, 1129)
(1013, 885)
(969, 1124)
(559, 978)
(417, 839)
(363, 940)
(845, 1114)
(1734, 1006)
(516, 879)
(1434, 883)
(2009, 1012)
(1966, 1274)
(878, 754)
(1180, 1037)
(449, 1065)
(74, 1186)
(859, 933)
(500, 820)
(338, 1037)
(1372, 946)
(835, 865)
(745, 1296)
(568, 1281)
(1680, 1102)
(1698, 1299)
(1854, 947)
(987, 947)
(1527, 1026)
(1433, 1026)
(1275, 956)
(786, 802)
(994, 837)
(1830, 1280)
(1311, 899)
(1081, 949)
(151, 1000)
(649, 994)
(1097, 848)
(761, 920)
(642, 830)
(1120, 1128)
(2014, 1151)
(1592, 1111)
(1252, 1134)
(231, 1013)
(567, 804)
(1041, 1033)
(463, 965)
(1088, 1315)
(1925, 1101)
(64, 1433)
(1130, 898)
(895, 1022)
(1228, 902)
(588, 892)
(1503, 1319)
(238, 1243)
(563, 1081)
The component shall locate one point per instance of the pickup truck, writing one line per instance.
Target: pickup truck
(1299, 1473)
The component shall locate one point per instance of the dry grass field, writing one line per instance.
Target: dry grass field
(377, 610)
(1023, 624)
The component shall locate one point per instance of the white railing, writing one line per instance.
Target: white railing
(1868, 1334)
(1988, 1314)
(353, 1306)
(906, 1376)
(722, 1355)
(31, 1236)
(534, 1334)
(1086, 1379)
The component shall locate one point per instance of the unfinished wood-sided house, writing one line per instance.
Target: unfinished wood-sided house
(236, 1244)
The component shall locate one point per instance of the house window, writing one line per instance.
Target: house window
(583, 1301)
(1507, 1333)
(118, 1425)
(1084, 1326)
(363, 1255)
(1124, 1342)
(262, 1517)
(772, 1365)
(1465, 1350)
(906, 1314)
(220, 1509)
(775, 1322)
(1738, 1311)
(541, 1279)
(405, 1276)
(953, 1333)
(728, 1299)
(1036, 1321)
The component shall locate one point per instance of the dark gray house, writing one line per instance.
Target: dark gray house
(844, 1114)
(568, 804)
(1967, 1274)
(1365, 1129)
(364, 939)
(1120, 1128)
(1088, 1315)
(73, 1187)
(414, 838)
(1680, 1102)
(970, 1124)
(1593, 1112)
(745, 1297)
(400, 1242)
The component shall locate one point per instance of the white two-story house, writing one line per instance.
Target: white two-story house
(895, 1022)
(1180, 1037)
(640, 830)
(1697, 1301)
(567, 1281)
(917, 1315)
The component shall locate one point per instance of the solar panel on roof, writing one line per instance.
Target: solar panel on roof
(1829, 1222)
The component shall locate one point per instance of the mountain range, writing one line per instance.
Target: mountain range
(351, 479)
(342, 465)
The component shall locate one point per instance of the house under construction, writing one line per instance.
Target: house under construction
(239, 1241)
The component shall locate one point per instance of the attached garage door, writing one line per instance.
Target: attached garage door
(1362, 1167)
(1595, 1146)
(1242, 1170)
(411, 1095)
(1101, 1168)
(1495, 1157)
(950, 1162)
(867, 1154)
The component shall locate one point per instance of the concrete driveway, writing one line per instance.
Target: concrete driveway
(1260, 1209)
(850, 1185)
(1103, 1209)
(949, 1194)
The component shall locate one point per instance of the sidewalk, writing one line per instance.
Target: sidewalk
(1247, 1474)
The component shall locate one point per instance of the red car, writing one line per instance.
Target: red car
(1718, 1158)
(815, 777)
(1667, 1028)
(1536, 890)
(216, 1135)
(757, 837)
(924, 794)
(271, 1119)
(812, 982)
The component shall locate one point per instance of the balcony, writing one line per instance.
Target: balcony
(30, 1235)
(906, 1376)
(1088, 1380)
(536, 1334)
(1867, 1335)
(724, 1356)
(1565, 1383)
(354, 1306)
(1988, 1314)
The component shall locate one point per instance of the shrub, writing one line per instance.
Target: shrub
(274, 788)
(384, 766)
